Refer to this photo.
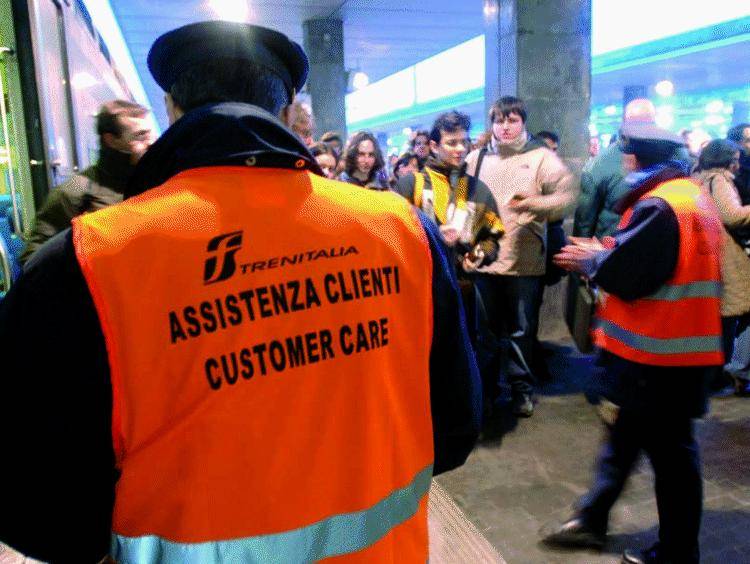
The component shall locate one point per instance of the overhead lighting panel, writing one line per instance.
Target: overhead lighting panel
(230, 10)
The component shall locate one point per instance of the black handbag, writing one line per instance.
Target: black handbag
(580, 307)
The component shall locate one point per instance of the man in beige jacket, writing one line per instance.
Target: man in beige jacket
(531, 186)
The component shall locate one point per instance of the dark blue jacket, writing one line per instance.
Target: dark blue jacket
(57, 475)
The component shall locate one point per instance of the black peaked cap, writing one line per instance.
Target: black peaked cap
(193, 44)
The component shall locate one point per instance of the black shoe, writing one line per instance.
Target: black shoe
(573, 533)
(522, 405)
(720, 381)
(741, 387)
(650, 556)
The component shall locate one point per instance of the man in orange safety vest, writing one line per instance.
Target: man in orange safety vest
(244, 361)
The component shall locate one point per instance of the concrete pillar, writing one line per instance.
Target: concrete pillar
(541, 52)
(326, 83)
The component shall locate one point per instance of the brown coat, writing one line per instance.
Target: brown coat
(535, 172)
(735, 264)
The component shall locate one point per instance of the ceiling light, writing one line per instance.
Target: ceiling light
(490, 8)
(230, 10)
(360, 80)
(664, 88)
(714, 107)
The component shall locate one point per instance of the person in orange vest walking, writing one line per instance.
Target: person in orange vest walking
(244, 361)
(659, 334)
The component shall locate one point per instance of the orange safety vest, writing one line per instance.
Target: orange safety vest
(268, 334)
(680, 323)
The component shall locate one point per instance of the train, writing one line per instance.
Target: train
(55, 72)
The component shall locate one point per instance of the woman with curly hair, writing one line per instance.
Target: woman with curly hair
(364, 162)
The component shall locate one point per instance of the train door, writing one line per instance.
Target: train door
(8, 152)
(50, 55)
(16, 194)
(7, 182)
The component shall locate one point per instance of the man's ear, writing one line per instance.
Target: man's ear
(630, 163)
(174, 112)
(433, 146)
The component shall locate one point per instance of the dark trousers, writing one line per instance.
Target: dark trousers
(671, 447)
(736, 331)
(510, 303)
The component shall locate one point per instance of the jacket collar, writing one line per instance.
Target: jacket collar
(523, 144)
(441, 168)
(113, 169)
(373, 182)
(225, 134)
(643, 181)
(714, 172)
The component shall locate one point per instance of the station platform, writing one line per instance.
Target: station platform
(525, 473)
(453, 538)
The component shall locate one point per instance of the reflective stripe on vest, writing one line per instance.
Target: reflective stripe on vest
(673, 293)
(340, 534)
(679, 324)
(678, 345)
(268, 334)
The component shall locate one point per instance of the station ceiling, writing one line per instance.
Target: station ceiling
(380, 36)
(385, 36)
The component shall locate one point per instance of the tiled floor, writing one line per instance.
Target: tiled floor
(527, 472)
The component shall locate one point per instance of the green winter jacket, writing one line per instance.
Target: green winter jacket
(602, 185)
(95, 188)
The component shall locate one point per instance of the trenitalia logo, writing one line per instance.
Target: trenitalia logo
(221, 265)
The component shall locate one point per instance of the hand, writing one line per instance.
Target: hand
(473, 260)
(575, 258)
(521, 203)
(450, 235)
(592, 243)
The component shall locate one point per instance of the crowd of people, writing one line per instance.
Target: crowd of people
(509, 302)
(663, 234)
(632, 239)
(508, 183)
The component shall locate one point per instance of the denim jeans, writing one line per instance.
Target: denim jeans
(512, 314)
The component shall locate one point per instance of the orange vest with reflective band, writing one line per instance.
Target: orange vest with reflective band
(268, 334)
(680, 323)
